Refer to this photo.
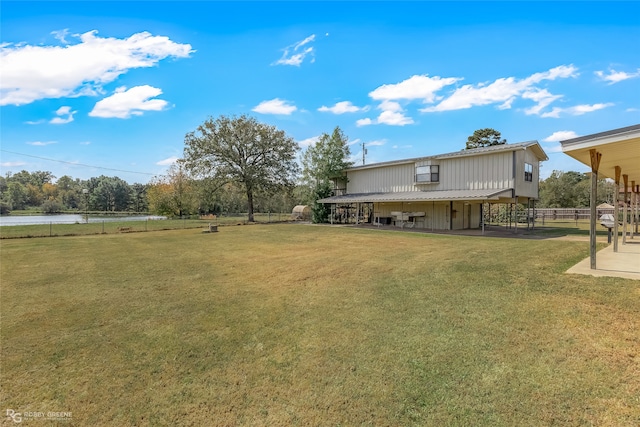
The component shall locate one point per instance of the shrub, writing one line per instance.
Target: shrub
(51, 206)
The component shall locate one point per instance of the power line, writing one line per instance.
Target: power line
(77, 164)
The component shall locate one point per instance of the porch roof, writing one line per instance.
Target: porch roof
(421, 196)
(619, 147)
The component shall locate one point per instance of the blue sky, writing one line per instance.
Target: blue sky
(111, 88)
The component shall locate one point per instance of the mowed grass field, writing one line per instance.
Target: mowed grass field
(313, 325)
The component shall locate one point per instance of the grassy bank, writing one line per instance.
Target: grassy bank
(303, 325)
(109, 227)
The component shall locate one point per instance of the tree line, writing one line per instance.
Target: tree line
(230, 165)
(41, 191)
(237, 164)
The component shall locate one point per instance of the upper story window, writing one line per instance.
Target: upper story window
(430, 173)
(528, 172)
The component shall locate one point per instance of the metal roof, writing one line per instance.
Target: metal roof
(465, 153)
(619, 147)
(421, 196)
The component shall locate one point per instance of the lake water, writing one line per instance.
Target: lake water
(70, 219)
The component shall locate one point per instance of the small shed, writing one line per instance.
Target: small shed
(604, 206)
(301, 213)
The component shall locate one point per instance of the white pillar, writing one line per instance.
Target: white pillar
(616, 208)
(625, 209)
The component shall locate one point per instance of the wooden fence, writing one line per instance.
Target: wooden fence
(570, 213)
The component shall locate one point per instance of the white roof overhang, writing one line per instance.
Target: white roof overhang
(619, 147)
(422, 196)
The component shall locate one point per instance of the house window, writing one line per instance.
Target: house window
(428, 173)
(528, 172)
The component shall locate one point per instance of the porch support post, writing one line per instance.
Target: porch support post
(625, 216)
(533, 218)
(632, 204)
(433, 214)
(515, 214)
(616, 207)
(595, 165)
(637, 192)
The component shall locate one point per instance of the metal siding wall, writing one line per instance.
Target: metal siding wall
(386, 179)
(475, 215)
(523, 188)
(477, 173)
(491, 171)
(436, 213)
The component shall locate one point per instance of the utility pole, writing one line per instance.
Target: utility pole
(364, 153)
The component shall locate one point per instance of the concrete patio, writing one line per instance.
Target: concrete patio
(625, 263)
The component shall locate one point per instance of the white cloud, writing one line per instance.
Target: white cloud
(308, 142)
(30, 73)
(577, 110)
(560, 72)
(415, 87)
(12, 164)
(125, 103)
(342, 107)
(542, 97)
(275, 106)
(292, 55)
(394, 118)
(504, 91)
(65, 115)
(392, 115)
(41, 143)
(168, 161)
(61, 35)
(390, 106)
(617, 76)
(561, 135)
(376, 143)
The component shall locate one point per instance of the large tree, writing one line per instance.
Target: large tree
(323, 166)
(109, 194)
(241, 150)
(485, 138)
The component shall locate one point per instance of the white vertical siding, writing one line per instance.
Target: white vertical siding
(524, 188)
(491, 171)
(395, 178)
(499, 170)
(436, 214)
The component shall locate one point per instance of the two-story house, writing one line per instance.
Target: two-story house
(441, 192)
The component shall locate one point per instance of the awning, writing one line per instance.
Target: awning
(619, 147)
(422, 196)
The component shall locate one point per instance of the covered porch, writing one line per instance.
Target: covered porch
(613, 154)
(427, 210)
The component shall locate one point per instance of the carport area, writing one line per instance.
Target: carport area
(613, 154)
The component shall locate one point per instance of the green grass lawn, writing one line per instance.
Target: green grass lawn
(313, 325)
